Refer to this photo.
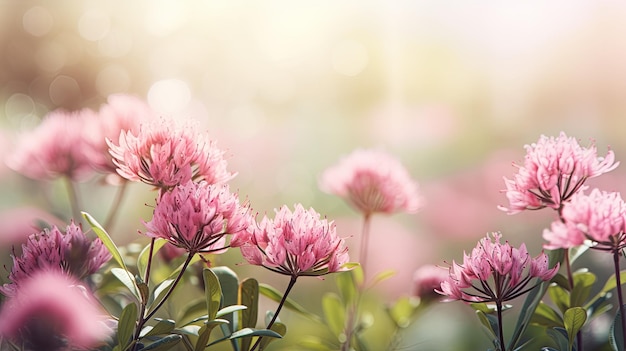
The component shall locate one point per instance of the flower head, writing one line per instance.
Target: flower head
(71, 252)
(198, 216)
(426, 279)
(495, 272)
(57, 147)
(51, 311)
(165, 153)
(296, 243)
(120, 113)
(372, 181)
(599, 216)
(554, 169)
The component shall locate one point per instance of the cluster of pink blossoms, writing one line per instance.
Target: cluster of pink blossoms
(372, 181)
(53, 312)
(599, 217)
(165, 153)
(198, 216)
(296, 243)
(554, 169)
(70, 252)
(495, 272)
(72, 143)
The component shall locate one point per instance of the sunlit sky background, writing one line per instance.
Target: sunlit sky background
(452, 88)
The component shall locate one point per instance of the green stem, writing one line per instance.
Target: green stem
(72, 193)
(142, 321)
(618, 280)
(500, 329)
(365, 241)
(292, 282)
(115, 206)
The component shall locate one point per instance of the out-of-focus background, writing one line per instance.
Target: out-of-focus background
(453, 89)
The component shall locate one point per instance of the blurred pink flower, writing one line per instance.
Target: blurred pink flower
(165, 153)
(599, 216)
(56, 147)
(372, 181)
(426, 279)
(120, 113)
(296, 243)
(50, 311)
(19, 223)
(198, 216)
(505, 265)
(71, 252)
(554, 170)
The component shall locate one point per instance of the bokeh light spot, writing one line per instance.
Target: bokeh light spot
(349, 58)
(94, 25)
(169, 95)
(64, 90)
(37, 21)
(51, 57)
(112, 79)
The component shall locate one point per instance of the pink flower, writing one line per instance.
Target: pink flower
(372, 181)
(495, 272)
(120, 113)
(296, 243)
(57, 147)
(599, 216)
(198, 216)
(426, 279)
(51, 311)
(71, 252)
(554, 170)
(165, 153)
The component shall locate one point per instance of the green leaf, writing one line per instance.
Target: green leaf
(532, 300)
(574, 319)
(489, 322)
(163, 326)
(546, 316)
(203, 337)
(559, 335)
(277, 327)
(576, 252)
(583, 283)
(245, 332)
(230, 309)
(164, 343)
(559, 296)
(402, 311)
(561, 281)
(229, 283)
(191, 311)
(599, 306)
(249, 297)
(126, 325)
(347, 286)
(176, 271)
(616, 337)
(106, 239)
(143, 258)
(159, 292)
(382, 276)
(127, 279)
(273, 294)
(213, 292)
(334, 313)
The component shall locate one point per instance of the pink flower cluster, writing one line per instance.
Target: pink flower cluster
(70, 252)
(72, 144)
(53, 312)
(165, 153)
(554, 169)
(599, 216)
(495, 272)
(296, 243)
(198, 216)
(372, 181)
